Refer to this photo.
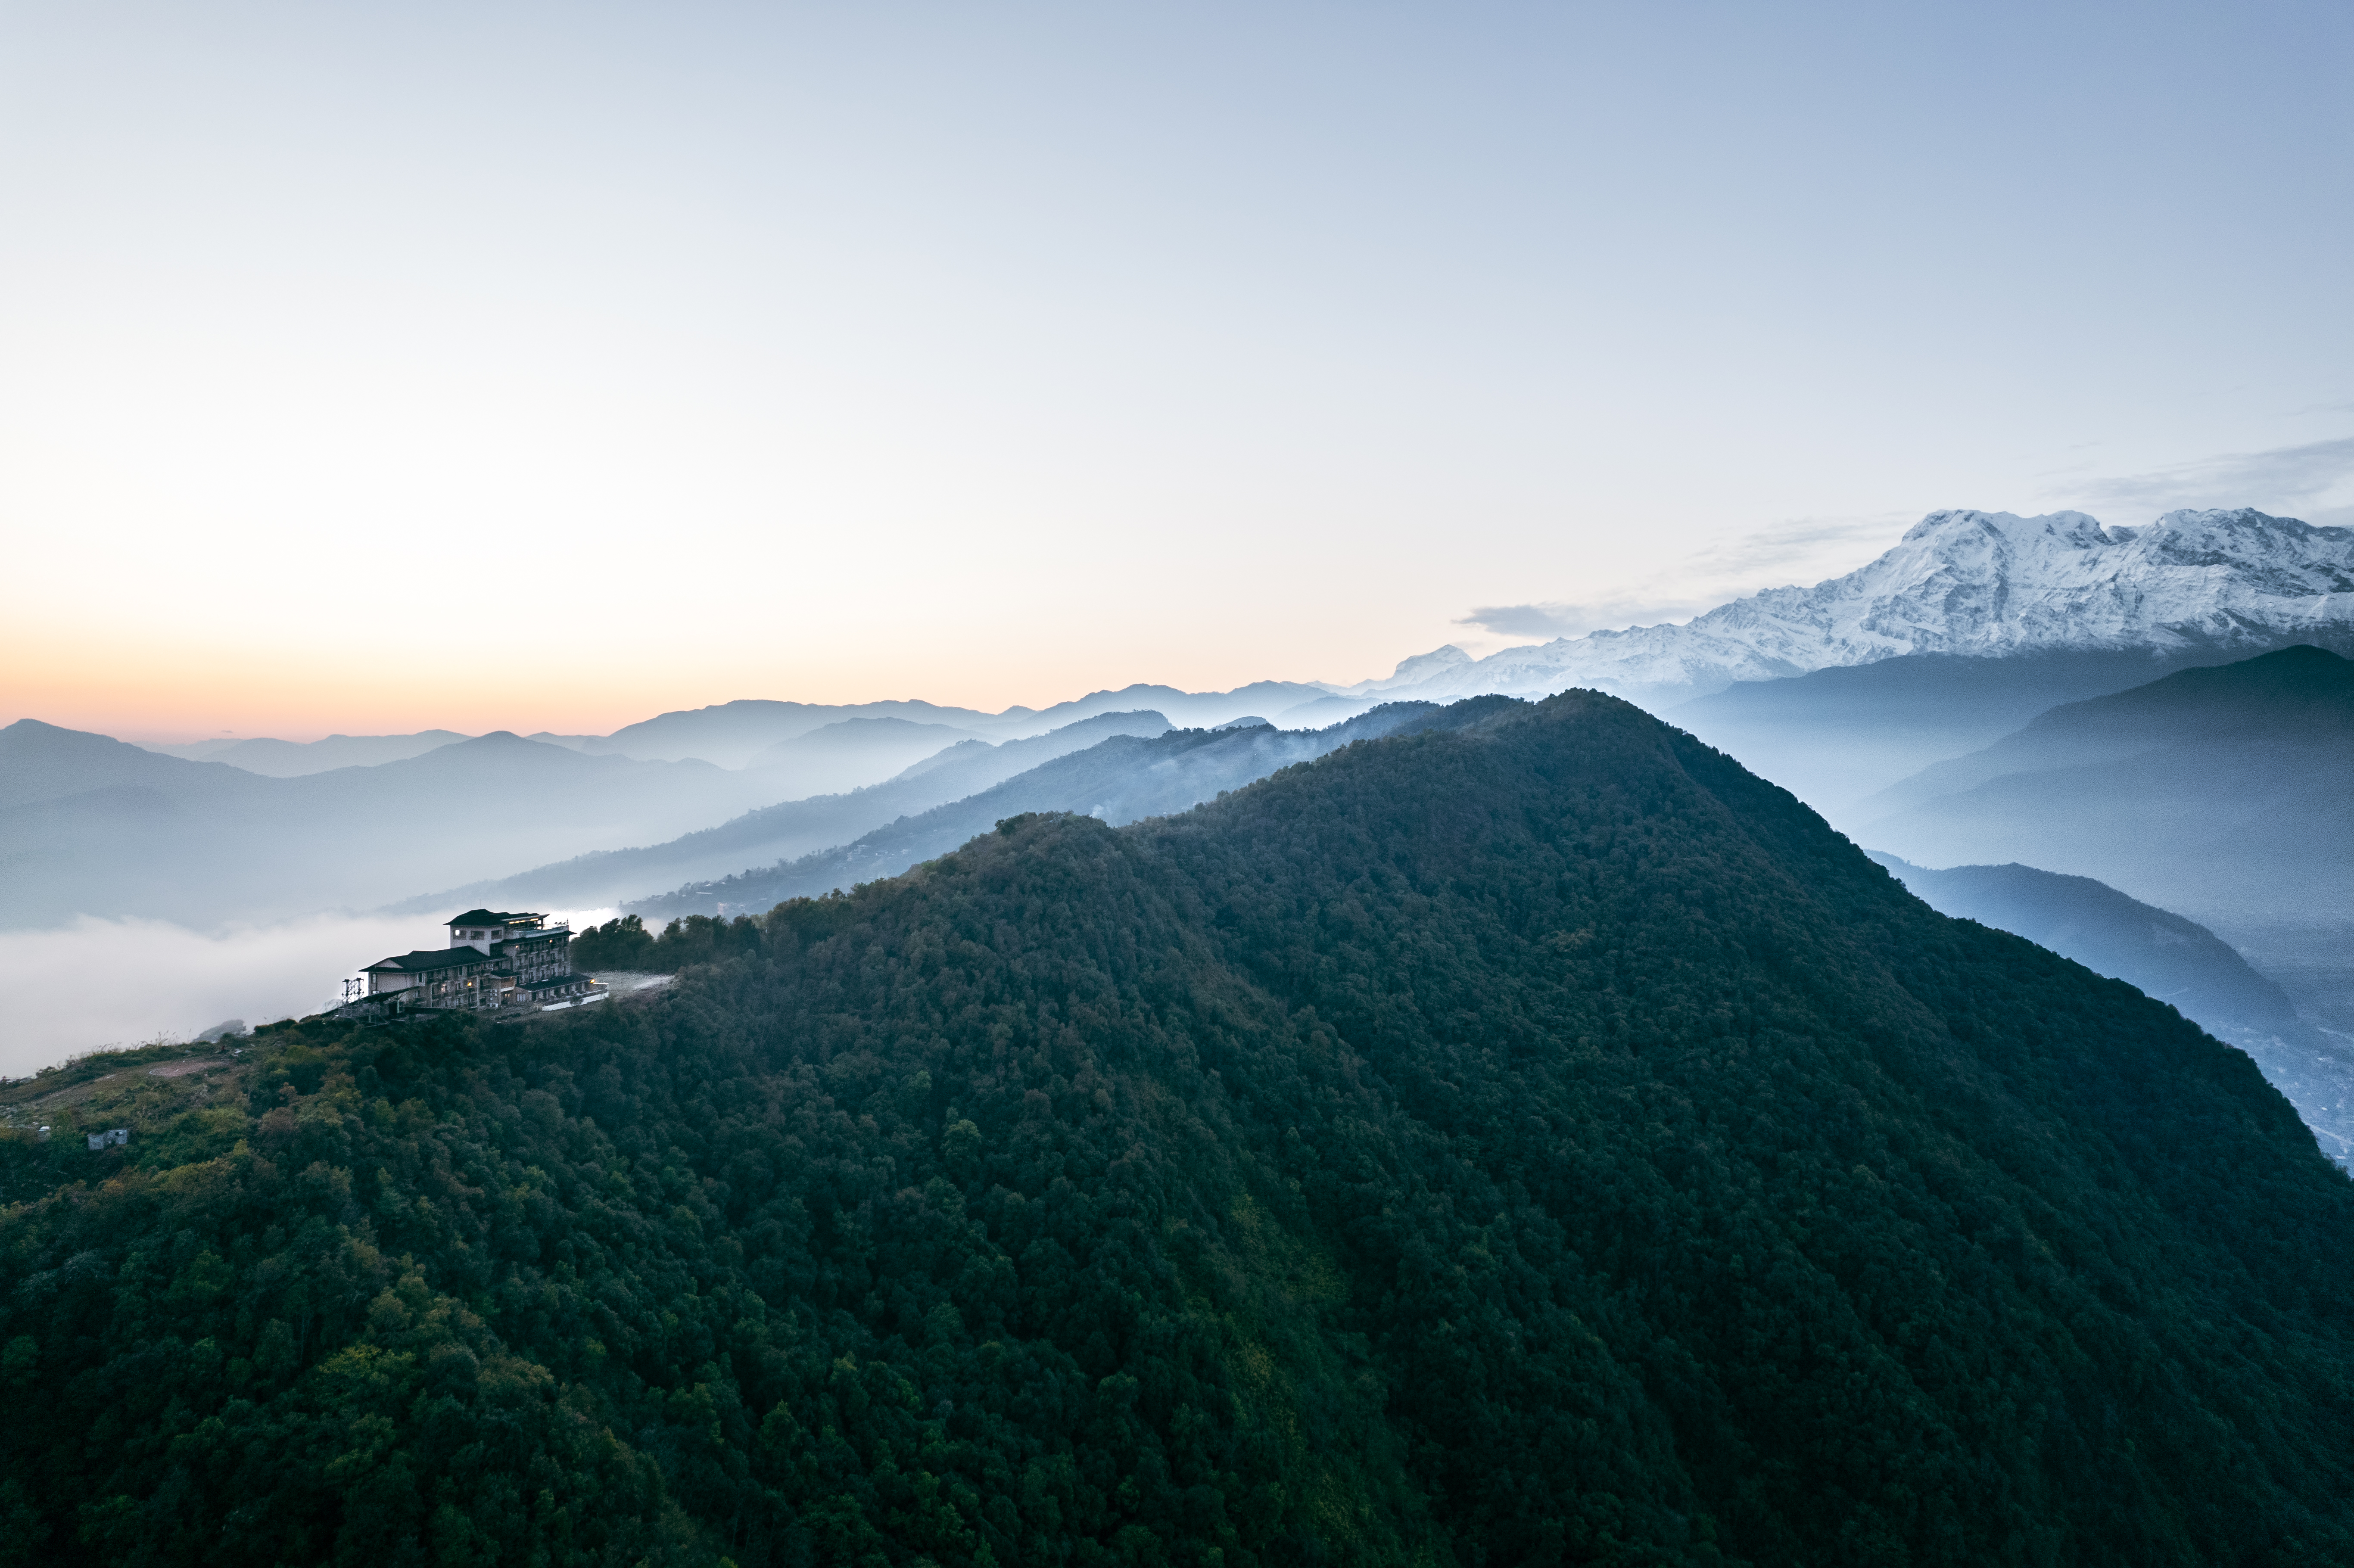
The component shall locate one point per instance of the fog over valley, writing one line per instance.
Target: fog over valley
(1227, 786)
(93, 983)
(1974, 695)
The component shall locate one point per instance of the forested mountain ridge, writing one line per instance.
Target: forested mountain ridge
(1118, 780)
(1532, 1140)
(2175, 960)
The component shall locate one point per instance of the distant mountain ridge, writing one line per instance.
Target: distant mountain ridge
(1120, 781)
(89, 825)
(293, 759)
(781, 832)
(2223, 793)
(1961, 583)
(1980, 584)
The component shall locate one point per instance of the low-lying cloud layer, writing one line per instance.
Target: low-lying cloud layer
(100, 984)
(1726, 568)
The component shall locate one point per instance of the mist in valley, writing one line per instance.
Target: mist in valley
(94, 984)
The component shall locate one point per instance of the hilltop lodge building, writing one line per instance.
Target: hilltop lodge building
(493, 960)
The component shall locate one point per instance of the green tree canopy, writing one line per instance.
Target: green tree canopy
(1531, 1139)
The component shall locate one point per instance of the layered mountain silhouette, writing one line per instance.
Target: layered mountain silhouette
(2218, 793)
(788, 829)
(89, 825)
(1533, 1139)
(291, 759)
(1115, 780)
(733, 735)
(850, 754)
(1835, 738)
(730, 734)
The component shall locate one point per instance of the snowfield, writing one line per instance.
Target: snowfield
(1986, 584)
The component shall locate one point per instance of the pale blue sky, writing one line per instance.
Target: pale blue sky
(992, 354)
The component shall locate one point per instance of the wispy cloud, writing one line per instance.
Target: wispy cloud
(1557, 618)
(1725, 567)
(1814, 544)
(2286, 479)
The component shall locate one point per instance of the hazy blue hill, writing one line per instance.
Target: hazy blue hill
(98, 827)
(1835, 736)
(1532, 1139)
(1120, 781)
(790, 829)
(850, 754)
(2173, 959)
(2220, 792)
(42, 762)
(1321, 711)
(1190, 710)
(290, 759)
(732, 734)
(2297, 696)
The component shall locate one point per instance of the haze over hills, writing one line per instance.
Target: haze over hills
(1530, 1139)
(783, 831)
(1995, 593)
(733, 733)
(2172, 959)
(1973, 623)
(730, 734)
(1118, 780)
(1837, 735)
(850, 753)
(90, 825)
(291, 759)
(2218, 793)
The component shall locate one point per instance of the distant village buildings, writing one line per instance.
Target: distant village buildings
(495, 959)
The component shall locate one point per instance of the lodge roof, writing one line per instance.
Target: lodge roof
(491, 917)
(425, 958)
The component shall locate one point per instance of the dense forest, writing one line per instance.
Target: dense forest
(1530, 1139)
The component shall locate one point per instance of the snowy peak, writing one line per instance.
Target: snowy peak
(2064, 529)
(1984, 584)
(1434, 666)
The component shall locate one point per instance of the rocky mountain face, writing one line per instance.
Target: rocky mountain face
(1977, 584)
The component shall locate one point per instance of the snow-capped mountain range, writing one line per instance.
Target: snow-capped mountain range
(1987, 583)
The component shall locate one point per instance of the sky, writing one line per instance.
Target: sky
(368, 368)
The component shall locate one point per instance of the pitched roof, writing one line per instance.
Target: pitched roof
(429, 959)
(484, 918)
